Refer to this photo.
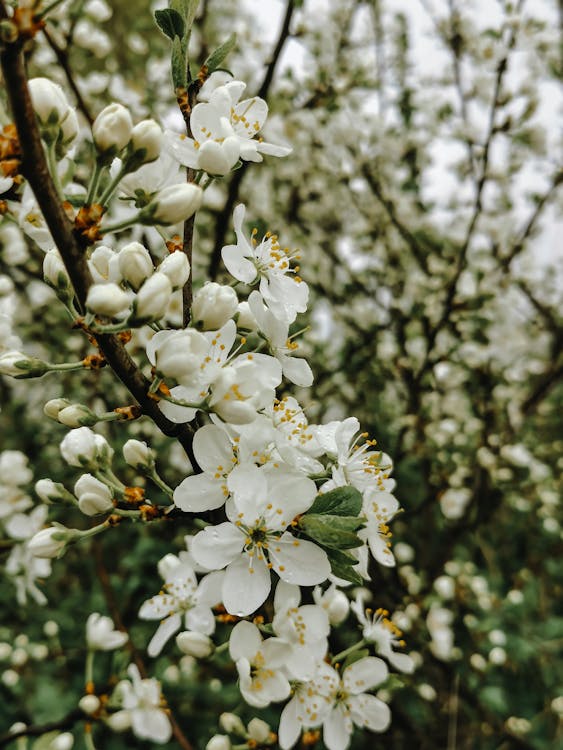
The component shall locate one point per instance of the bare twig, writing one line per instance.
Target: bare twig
(36, 730)
(62, 57)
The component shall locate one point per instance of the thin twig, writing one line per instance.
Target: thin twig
(62, 57)
(36, 730)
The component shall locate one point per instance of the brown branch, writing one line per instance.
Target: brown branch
(414, 245)
(36, 730)
(283, 35)
(519, 245)
(223, 217)
(35, 170)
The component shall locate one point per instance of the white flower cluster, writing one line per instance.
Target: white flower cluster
(294, 504)
(23, 567)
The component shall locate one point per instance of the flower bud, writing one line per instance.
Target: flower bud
(259, 730)
(63, 741)
(146, 137)
(50, 542)
(101, 635)
(77, 415)
(54, 406)
(138, 455)
(93, 496)
(219, 742)
(107, 299)
(112, 129)
(49, 101)
(104, 265)
(53, 492)
(54, 273)
(84, 448)
(120, 721)
(19, 365)
(177, 267)
(232, 724)
(218, 158)
(89, 704)
(172, 205)
(152, 300)
(213, 305)
(135, 264)
(195, 644)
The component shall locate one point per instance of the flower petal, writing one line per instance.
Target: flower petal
(245, 641)
(364, 674)
(369, 712)
(297, 370)
(164, 632)
(151, 724)
(213, 448)
(217, 546)
(200, 492)
(245, 588)
(299, 561)
(337, 729)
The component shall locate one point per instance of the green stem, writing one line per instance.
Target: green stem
(88, 739)
(49, 8)
(89, 668)
(52, 162)
(120, 225)
(127, 513)
(94, 181)
(65, 366)
(348, 651)
(154, 477)
(112, 187)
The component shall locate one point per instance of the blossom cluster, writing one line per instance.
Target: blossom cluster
(278, 508)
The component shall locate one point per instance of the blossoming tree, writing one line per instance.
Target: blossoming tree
(205, 559)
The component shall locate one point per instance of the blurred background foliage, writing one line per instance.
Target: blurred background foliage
(423, 192)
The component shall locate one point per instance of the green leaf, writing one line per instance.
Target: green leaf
(347, 572)
(332, 531)
(187, 9)
(170, 22)
(216, 58)
(342, 501)
(179, 72)
(340, 556)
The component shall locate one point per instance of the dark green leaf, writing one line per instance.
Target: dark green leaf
(342, 501)
(170, 22)
(179, 73)
(332, 531)
(347, 572)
